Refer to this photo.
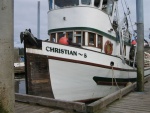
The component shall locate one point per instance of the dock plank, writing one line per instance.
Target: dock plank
(31, 108)
(121, 110)
(135, 102)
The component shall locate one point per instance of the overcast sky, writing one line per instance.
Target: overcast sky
(25, 16)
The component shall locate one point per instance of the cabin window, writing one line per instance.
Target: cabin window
(53, 37)
(80, 37)
(110, 5)
(65, 3)
(104, 5)
(59, 35)
(92, 39)
(83, 38)
(107, 6)
(50, 4)
(69, 35)
(86, 2)
(97, 3)
(100, 42)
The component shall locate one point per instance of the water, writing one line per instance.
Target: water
(20, 86)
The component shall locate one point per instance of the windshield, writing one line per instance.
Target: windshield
(87, 2)
(64, 3)
(50, 4)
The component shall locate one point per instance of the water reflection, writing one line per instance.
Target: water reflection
(20, 86)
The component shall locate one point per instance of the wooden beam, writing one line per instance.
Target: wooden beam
(49, 102)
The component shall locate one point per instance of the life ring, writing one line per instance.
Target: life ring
(108, 48)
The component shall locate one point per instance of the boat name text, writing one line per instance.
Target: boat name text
(64, 51)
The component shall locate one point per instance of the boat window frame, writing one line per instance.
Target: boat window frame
(51, 4)
(100, 46)
(90, 2)
(94, 42)
(51, 38)
(69, 39)
(59, 37)
(112, 8)
(105, 9)
(77, 33)
(82, 36)
(63, 6)
(98, 4)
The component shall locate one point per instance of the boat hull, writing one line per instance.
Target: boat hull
(73, 81)
(68, 73)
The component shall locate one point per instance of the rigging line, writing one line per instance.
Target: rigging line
(117, 13)
(124, 12)
(110, 19)
(129, 14)
(119, 29)
(131, 23)
(123, 7)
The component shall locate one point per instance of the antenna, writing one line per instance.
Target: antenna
(149, 33)
(38, 20)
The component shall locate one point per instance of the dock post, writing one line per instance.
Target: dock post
(140, 46)
(7, 97)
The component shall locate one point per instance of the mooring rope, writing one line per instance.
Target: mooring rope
(116, 82)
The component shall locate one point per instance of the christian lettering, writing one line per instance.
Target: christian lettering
(64, 51)
(61, 51)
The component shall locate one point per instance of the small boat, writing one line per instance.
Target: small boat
(87, 47)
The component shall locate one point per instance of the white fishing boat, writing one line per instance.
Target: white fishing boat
(88, 46)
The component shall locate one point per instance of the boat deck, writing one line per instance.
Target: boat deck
(134, 102)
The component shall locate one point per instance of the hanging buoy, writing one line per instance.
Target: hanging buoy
(63, 40)
(133, 42)
(108, 48)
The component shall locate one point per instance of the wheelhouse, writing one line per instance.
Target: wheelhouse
(104, 5)
(81, 37)
(86, 23)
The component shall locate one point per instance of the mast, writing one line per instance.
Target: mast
(140, 46)
(38, 21)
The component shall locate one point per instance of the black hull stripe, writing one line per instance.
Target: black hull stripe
(108, 81)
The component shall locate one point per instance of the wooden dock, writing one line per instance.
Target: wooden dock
(118, 102)
(37, 104)
(32, 108)
(135, 102)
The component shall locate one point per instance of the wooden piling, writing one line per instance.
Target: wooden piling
(6, 56)
(140, 46)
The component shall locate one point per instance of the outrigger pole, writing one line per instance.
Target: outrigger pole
(140, 45)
